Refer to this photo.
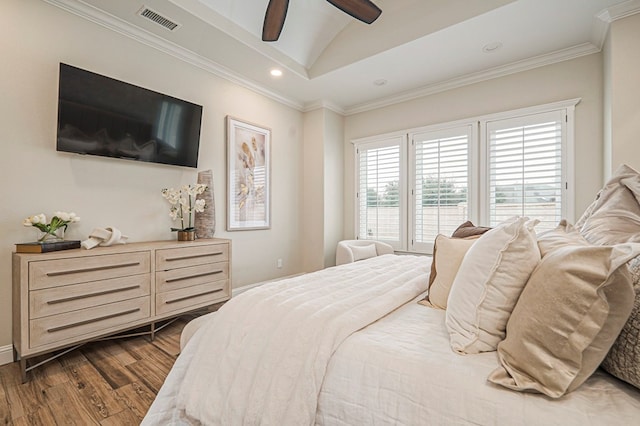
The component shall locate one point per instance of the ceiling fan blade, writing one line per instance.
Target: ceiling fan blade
(364, 10)
(274, 19)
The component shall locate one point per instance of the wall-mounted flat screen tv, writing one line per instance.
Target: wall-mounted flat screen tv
(98, 115)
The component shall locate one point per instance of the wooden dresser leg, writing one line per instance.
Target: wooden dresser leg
(23, 369)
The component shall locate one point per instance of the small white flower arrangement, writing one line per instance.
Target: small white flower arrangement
(50, 230)
(184, 204)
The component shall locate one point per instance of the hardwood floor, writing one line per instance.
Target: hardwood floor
(112, 382)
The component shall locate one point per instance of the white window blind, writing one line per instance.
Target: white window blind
(525, 168)
(441, 183)
(381, 192)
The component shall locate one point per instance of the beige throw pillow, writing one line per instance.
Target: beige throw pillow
(569, 314)
(615, 216)
(447, 257)
(488, 284)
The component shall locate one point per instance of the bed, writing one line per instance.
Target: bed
(351, 345)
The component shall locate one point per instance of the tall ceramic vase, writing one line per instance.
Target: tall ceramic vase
(205, 222)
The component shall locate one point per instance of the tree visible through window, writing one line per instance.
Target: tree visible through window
(441, 164)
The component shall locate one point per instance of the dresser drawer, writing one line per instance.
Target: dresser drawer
(74, 325)
(192, 297)
(73, 297)
(191, 256)
(59, 272)
(174, 279)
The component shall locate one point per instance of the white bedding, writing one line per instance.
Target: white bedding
(401, 370)
(270, 347)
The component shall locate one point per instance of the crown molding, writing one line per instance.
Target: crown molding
(496, 72)
(619, 11)
(111, 22)
(323, 104)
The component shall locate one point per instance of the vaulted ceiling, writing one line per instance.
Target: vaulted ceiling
(416, 47)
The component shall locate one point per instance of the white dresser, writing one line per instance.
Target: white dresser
(65, 298)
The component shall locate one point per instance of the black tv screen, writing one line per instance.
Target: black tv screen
(98, 115)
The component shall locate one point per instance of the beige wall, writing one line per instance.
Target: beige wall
(577, 78)
(333, 184)
(623, 103)
(323, 187)
(34, 38)
(313, 198)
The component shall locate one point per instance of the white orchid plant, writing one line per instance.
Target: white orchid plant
(49, 229)
(184, 204)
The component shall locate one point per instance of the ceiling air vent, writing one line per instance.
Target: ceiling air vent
(149, 14)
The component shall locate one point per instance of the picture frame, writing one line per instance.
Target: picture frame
(248, 176)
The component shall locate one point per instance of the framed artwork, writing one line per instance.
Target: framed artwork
(248, 176)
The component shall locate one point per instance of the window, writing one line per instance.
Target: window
(525, 168)
(423, 182)
(440, 183)
(381, 192)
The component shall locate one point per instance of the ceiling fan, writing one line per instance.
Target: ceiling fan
(364, 10)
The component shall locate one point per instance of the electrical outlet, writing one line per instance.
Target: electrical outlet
(279, 264)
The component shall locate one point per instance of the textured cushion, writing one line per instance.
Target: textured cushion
(615, 217)
(468, 229)
(363, 252)
(569, 314)
(447, 257)
(623, 360)
(488, 284)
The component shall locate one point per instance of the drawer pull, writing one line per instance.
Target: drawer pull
(97, 293)
(193, 256)
(170, 280)
(89, 321)
(96, 268)
(179, 299)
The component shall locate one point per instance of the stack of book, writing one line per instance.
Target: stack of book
(47, 246)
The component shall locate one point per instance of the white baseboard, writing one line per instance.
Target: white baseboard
(6, 354)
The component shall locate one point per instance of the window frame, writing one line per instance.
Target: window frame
(441, 130)
(376, 142)
(479, 177)
(567, 153)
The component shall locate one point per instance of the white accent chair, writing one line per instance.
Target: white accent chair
(349, 251)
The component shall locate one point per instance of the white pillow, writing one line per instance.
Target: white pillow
(487, 286)
(363, 252)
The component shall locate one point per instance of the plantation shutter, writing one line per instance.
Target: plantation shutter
(381, 192)
(525, 168)
(441, 183)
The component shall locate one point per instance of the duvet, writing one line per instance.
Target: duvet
(379, 359)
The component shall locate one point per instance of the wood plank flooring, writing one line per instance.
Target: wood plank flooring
(112, 382)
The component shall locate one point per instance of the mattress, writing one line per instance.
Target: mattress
(401, 370)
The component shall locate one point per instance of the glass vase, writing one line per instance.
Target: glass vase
(51, 236)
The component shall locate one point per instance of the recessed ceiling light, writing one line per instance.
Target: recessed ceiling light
(380, 82)
(276, 72)
(492, 47)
